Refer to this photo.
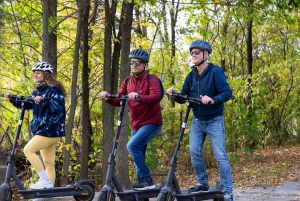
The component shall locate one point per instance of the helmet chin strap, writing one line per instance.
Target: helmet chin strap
(201, 61)
(199, 64)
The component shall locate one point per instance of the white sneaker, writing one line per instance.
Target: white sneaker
(41, 184)
(43, 199)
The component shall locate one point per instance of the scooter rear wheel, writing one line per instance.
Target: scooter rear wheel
(103, 197)
(91, 193)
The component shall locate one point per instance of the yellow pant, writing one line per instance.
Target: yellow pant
(46, 146)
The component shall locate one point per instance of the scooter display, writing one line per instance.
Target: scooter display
(107, 193)
(83, 190)
(171, 190)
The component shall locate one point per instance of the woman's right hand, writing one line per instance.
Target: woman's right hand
(7, 95)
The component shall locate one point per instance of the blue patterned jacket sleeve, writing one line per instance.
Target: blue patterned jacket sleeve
(18, 104)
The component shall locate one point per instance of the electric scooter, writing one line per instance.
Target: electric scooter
(107, 193)
(171, 190)
(83, 190)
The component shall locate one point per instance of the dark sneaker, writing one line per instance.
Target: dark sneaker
(144, 185)
(199, 188)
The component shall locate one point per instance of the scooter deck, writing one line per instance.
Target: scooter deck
(52, 192)
(211, 195)
(133, 195)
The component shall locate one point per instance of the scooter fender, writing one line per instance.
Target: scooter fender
(90, 181)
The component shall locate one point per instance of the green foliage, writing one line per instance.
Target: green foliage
(151, 159)
(288, 5)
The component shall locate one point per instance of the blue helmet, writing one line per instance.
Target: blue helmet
(139, 54)
(202, 45)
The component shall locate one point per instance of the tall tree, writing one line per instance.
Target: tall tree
(249, 23)
(121, 42)
(249, 48)
(73, 106)
(86, 127)
(49, 37)
(170, 44)
(108, 110)
(122, 156)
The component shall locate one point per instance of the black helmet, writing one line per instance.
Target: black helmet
(42, 66)
(202, 45)
(139, 54)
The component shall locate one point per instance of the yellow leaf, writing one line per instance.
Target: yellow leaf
(68, 146)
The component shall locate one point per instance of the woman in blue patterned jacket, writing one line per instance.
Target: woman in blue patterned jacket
(47, 125)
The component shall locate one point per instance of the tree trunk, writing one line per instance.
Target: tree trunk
(252, 141)
(122, 169)
(108, 110)
(71, 115)
(224, 35)
(249, 54)
(170, 44)
(86, 127)
(173, 15)
(49, 41)
(49, 50)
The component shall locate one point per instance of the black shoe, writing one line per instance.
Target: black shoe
(199, 188)
(144, 185)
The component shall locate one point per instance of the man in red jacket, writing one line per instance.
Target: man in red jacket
(145, 113)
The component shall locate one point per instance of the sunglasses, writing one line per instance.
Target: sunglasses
(137, 63)
(197, 52)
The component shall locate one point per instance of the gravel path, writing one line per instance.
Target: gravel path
(289, 191)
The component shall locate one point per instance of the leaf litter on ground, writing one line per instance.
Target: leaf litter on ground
(269, 167)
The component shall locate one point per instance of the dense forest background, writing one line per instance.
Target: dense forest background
(88, 43)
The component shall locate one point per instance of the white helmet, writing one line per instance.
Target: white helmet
(42, 66)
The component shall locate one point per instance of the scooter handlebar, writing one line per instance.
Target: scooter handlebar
(21, 98)
(187, 98)
(119, 96)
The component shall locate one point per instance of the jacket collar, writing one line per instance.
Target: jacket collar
(141, 76)
(195, 72)
(42, 87)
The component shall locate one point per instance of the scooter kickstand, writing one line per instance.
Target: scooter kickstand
(136, 196)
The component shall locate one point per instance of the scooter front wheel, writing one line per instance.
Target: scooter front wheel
(103, 196)
(91, 193)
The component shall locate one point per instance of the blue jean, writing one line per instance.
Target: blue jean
(215, 130)
(137, 147)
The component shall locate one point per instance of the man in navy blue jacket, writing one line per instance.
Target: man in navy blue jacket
(208, 82)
